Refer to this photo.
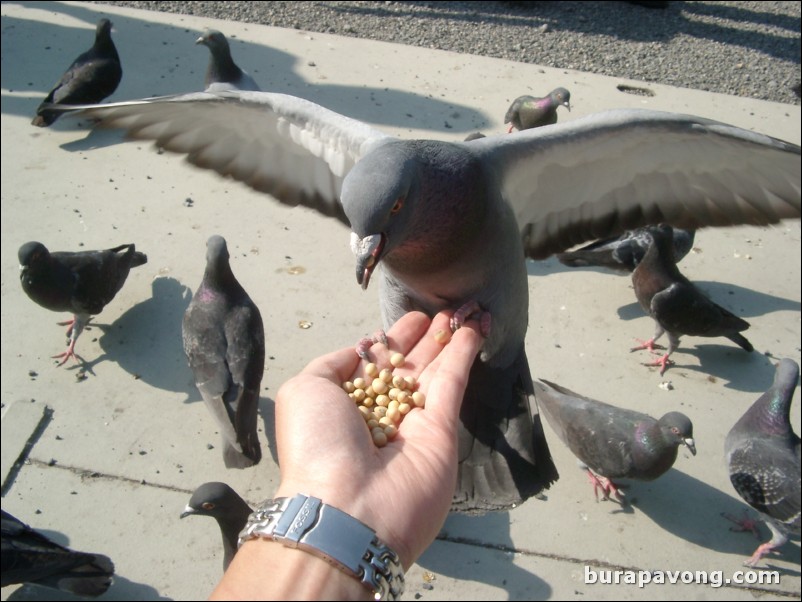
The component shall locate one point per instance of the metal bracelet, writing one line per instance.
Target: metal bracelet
(307, 523)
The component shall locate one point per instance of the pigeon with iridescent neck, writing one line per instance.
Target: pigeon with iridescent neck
(528, 112)
(763, 457)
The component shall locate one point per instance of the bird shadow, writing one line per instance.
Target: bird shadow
(170, 63)
(695, 515)
(121, 589)
(146, 341)
(467, 559)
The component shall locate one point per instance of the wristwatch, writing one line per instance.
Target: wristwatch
(306, 523)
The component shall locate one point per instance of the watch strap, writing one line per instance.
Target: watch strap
(305, 522)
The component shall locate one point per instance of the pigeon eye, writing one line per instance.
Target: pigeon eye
(207, 506)
(675, 430)
(398, 204)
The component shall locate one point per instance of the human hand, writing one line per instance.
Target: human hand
(403, 491)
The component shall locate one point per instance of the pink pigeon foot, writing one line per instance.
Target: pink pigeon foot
(69, 353)
(471, 309)
(650, 345)
(364, 345)
(606, 486)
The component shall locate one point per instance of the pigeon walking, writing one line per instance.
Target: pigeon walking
(223, 73)
(225, 505)
(452, 222)
(528, 112)
(81, 282)
(675, 304)
(614, 442)
(30, 557)
(224, 340)
(763, 454)
(623, 253)
(93, 76)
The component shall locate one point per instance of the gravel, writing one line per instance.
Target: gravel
(749, 49)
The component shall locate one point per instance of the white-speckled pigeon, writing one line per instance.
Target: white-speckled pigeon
(223, 73)
(30, 557)
(613, 442)
(451, 222)
(81, 282)
(93, 76)
(623, 253)
(675, 304)
(763, 456)
(528, 112)
(224, 340)
(225, 505)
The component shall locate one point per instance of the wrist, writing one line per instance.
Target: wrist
(264, 569)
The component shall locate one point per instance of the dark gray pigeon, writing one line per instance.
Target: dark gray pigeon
(623, 253)
(30, 557)
(81, 282)
(225, 505)
(224, 341)
(675, 304)
(451, 222)
(528, 112)
(763, 457)
(223, 73)
(613, 442)
(93, 76)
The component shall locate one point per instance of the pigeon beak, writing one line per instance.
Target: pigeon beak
(368, 252)
(690, 444)
(200, 40)
(187, 511)
(567, 105)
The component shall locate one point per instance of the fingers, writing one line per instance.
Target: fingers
(447, 376)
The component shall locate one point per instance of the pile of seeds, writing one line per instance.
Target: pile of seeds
(384, 398)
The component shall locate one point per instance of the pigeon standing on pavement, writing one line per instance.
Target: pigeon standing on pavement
(93, 76)
(223, 73)
(81, 282)
(763, 457)
(30, 557)
(225, 505)
(452, 222)
(224, 340)
(623, 253)
(675, 304)
(613, 442)
(528, 112)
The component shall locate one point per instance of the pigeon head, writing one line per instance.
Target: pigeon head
(31, 254)
(212, 499)
(416, 204)
(679, 428)
(215, 41)
(103, 30)
(561, 96)
(218, 268)
(378, 198)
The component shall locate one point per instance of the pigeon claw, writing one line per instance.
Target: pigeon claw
(467, 311)
(363, 346)
(69, 353)
(650, 345)
(606, 486)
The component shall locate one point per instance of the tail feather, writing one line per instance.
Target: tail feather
(741, 340)
(503, 455)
